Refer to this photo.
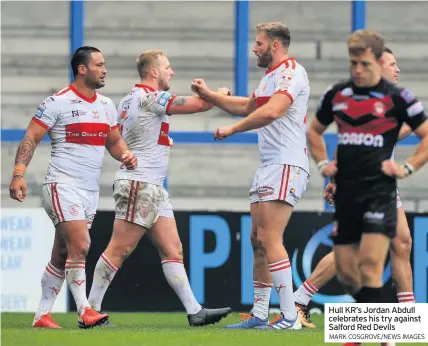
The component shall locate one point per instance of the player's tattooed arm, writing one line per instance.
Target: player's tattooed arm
(25, 150)
(179, 101)
(188, 105)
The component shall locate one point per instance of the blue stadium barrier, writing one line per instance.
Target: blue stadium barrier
(15, 135)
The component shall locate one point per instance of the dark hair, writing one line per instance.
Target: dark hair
(81, 57)
(388, 50)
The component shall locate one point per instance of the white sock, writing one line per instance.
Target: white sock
(176, 275)
(304, 293)
(52, 281)
(406, 297)
(283, 283)
(103, 276)
(76, 280)
(261, 300)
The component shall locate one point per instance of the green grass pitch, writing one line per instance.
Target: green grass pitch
(151, 329)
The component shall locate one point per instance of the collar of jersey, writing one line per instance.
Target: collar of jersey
(144, 86)
(275, 67)
(83, 97)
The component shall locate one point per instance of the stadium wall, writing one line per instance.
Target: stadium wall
(217, 255)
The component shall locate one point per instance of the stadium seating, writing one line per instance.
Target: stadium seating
(199, 39)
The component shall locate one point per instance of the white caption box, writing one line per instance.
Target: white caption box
(351, 322)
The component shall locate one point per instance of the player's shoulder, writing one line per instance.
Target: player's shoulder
(344, 87)
(105, 101)
(402, 93)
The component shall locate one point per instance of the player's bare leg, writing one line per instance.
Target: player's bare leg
(52, 281)
(262, 281)
(273, 217)
(401, 247)
(164, 236)
(126, 236)
(348, 273)
(77, 239)
(322, 274)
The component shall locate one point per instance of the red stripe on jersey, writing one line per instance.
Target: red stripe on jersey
(374, 127)
(356, 109)
(83, 97)
(260, 101)
(144, 86)
(41, 123)
(293, 65)
(163, 134)
(63, 91)
(169, 104)
(286, 93)
(114, 127)
(87, 133)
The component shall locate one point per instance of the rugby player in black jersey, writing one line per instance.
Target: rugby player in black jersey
(369, 112)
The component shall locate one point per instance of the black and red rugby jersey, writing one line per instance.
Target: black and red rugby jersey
(368, 121)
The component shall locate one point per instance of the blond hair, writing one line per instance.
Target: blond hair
(361, 40)
(275, 31)
(146, 59)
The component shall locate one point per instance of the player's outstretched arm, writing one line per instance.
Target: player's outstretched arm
(235, 105)
(119, 150)
(275, 108)
(193, 104)
(32, 137)
(189, 105)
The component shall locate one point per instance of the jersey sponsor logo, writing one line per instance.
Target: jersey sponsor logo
(265, 191)
(379, 109)
(73, 209)
(163, 135)
(374, 217)
(376, 94)
(75, 101)
(285, 80)
(292, 193)
(126, 104)
(40, 110)
(343, 106)
(407, 95)
(415, 109)
(87, 133)
(365, 139)
(162, 98)
(347, 92)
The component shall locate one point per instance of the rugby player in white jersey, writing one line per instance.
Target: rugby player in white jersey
(81, 124)
(401, 245)
(278, 110)
(142, 203)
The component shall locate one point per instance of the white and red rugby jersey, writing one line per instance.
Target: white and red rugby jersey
(78, 128)
(284, 140)
(143, 120)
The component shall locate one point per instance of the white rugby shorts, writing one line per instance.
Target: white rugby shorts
(64, 202)
(279, 182)
(141, 203)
